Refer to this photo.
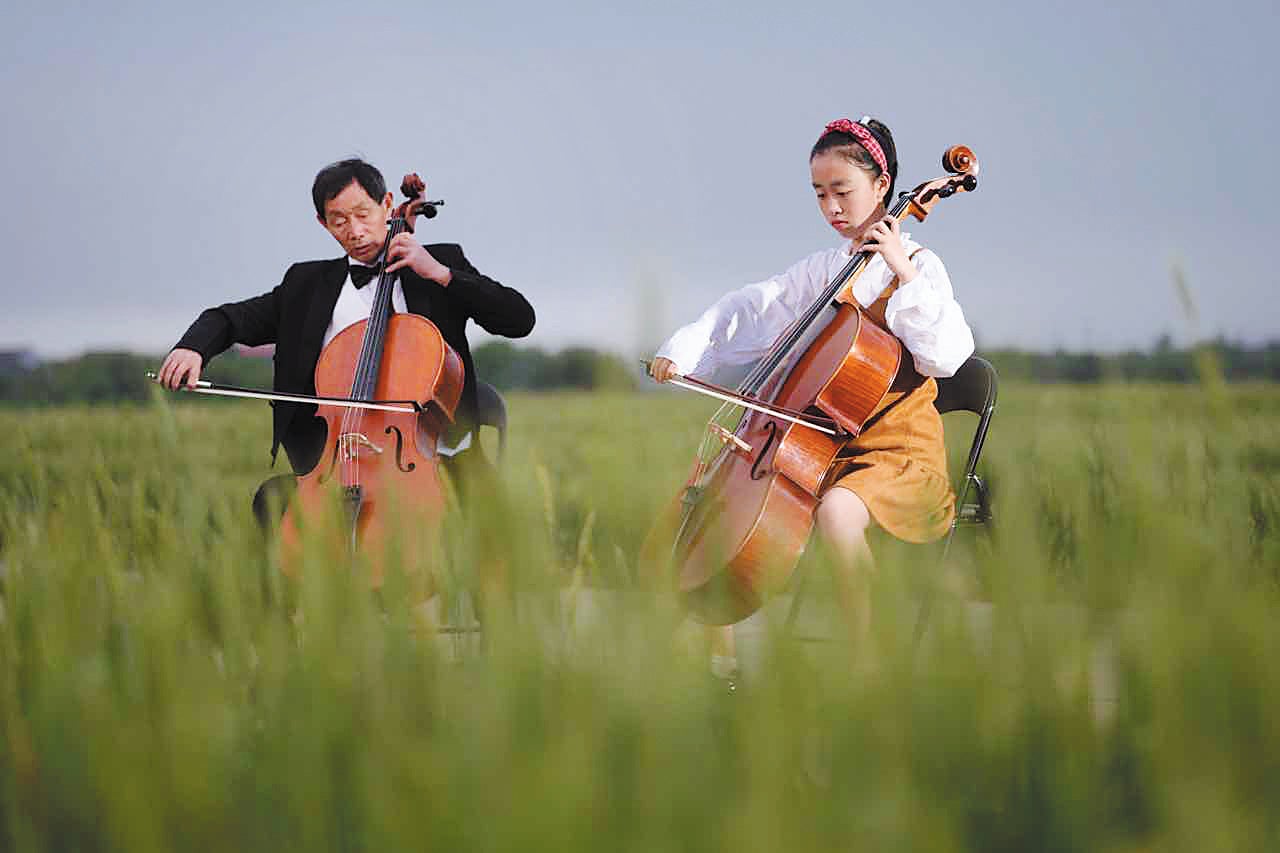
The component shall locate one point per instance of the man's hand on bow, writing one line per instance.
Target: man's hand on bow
(405, 251)
(181, 368)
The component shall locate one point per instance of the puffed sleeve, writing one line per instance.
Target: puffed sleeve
(742, 325)
(925, 316)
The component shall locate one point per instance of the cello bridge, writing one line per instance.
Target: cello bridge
(727, 437)
(351, 442)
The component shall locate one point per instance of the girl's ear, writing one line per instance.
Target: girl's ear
(881, 184)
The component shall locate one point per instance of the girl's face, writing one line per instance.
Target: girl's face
(847, 196)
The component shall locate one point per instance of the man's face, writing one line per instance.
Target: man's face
(357, 221)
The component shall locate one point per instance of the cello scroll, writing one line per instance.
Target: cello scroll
(960, 162)
(414, 188)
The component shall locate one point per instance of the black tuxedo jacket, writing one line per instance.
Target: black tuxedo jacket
(295, 314)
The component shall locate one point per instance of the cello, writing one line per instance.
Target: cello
(738, 527)
(380, 461)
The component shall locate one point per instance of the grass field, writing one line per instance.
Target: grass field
(162, 687)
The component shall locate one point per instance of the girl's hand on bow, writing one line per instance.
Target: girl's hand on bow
(885, 238)
(662, 369)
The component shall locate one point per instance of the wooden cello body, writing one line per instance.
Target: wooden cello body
(742, 520)
(381, 466)
(754, 514)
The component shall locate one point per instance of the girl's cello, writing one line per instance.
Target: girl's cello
(381, 461)
(745, 515)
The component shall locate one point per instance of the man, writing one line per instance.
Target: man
(318, 299)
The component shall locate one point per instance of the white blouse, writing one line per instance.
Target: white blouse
(742, 325)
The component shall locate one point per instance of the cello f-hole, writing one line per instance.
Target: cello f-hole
(771, 427)
(399, 448)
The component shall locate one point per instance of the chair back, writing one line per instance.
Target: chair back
(971, 389)
(491, 410)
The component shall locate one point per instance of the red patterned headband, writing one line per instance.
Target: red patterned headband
(865, 138)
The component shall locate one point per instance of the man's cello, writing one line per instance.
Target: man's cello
(381, 461)
(745, 515)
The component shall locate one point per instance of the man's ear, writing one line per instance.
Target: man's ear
(323, 224)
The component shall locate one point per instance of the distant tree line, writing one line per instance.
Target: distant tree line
(506, 366)
(112, 377)
(1163, 363)
(107, 377)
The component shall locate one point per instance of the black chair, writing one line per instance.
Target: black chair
(491, 410)
(971, 389)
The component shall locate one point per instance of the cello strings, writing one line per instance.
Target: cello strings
(364, 384)
(366, 370)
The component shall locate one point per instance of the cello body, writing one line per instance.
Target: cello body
(382, 467)
(746, 526)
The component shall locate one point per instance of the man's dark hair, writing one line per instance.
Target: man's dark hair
(335, 177)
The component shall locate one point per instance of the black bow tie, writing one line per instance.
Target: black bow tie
(360, 276)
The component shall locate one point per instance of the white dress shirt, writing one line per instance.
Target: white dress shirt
(355, 305)
(742, 325)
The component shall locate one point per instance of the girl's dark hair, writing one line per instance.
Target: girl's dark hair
(335, 177)
(848, 147)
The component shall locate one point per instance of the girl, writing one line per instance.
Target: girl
(894, 474)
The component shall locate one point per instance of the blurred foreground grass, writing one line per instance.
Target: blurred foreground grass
(161, 687)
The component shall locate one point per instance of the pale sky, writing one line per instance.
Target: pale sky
(625, 164)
